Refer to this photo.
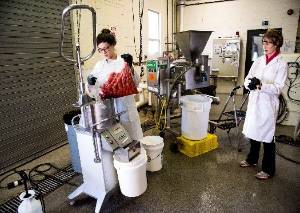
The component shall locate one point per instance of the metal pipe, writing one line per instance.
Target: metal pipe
(63, 16)
(199, 3)
(168, 26)
(81, 86)
(172, 20)
(181, 10)
(106, 119)
(83, 98)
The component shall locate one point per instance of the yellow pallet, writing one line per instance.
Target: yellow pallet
(193, 148)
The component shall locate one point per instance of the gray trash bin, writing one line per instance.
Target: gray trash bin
(72, 138)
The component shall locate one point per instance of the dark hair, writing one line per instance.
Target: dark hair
(106, 36)
(275, 37)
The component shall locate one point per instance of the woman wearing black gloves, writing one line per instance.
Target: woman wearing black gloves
(265, 81)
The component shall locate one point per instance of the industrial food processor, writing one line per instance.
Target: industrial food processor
(101, 138)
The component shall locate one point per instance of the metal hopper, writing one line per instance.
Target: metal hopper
(192, 43)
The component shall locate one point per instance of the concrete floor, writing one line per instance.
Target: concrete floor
(212, 182)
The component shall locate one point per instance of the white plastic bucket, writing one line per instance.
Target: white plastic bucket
(153, 146)
(132, 175)
(195, 115)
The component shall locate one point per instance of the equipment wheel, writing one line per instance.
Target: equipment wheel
(162, 134)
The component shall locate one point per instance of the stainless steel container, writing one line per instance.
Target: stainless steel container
(103, 114)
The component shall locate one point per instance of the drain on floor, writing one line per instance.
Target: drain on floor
(46, 186)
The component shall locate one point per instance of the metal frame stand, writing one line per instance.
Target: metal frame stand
(233, 118)
(99, 178)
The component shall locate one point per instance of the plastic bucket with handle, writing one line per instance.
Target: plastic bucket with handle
(153, 146)
(132, 175)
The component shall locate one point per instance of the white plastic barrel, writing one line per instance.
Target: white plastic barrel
(195, 116)
(153, 146)
(132, 175)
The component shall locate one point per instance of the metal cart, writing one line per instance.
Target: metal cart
(228, 120)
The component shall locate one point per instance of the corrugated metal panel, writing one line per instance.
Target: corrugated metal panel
(37, 87)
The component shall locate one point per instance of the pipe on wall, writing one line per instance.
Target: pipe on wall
(199, 3)
(167, 25)
(172, 21)
(181, 10)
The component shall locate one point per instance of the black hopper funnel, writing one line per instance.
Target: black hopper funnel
(192, 43)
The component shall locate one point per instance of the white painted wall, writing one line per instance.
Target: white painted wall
(223, 18)
(241, 15)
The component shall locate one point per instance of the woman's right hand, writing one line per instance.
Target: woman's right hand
(91, 80)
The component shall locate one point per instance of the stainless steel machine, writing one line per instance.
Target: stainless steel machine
(192, 43)
(100, 136)
(225, 62)
(226, 57)
(162, 73)
(168, 80)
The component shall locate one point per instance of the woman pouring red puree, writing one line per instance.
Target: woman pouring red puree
(265, 81)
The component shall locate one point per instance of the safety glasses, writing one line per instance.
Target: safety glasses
(102, 50)
(265, 42)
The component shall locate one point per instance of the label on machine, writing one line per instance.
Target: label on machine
(152, 76)
(116, 136)
(226, 57)
(157, 74)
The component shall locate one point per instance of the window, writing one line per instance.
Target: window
(154, 34)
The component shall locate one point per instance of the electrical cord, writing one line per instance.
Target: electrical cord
(282, 111)
(291, 85)
(37, 171)
(24, 179)
(165, 105)
(286, 158)
(173, 85)
(133, 28)
(78, 20)
(163, 113)
(284, 139)
(41, 173)
(6, 177)
(289, 141)
(141, 13)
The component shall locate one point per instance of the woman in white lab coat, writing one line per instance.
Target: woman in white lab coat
(265, 81)
(106, 42)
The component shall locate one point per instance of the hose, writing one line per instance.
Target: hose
(23, 181)
(37, 171)
(286, 158)
(289, 141)
(283, 110)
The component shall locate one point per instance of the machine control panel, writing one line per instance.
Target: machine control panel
(226, 57)
(157, 74)
(118, 140)
(152, 76)
(116, 136)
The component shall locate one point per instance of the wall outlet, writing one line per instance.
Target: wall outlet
(265, 23)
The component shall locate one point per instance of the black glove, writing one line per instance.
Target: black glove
(253, 83)
(91, 80)
(127, 58)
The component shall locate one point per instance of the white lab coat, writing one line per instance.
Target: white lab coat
(262, 110)
(130, 120)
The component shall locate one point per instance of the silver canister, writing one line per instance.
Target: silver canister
(103, 114)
